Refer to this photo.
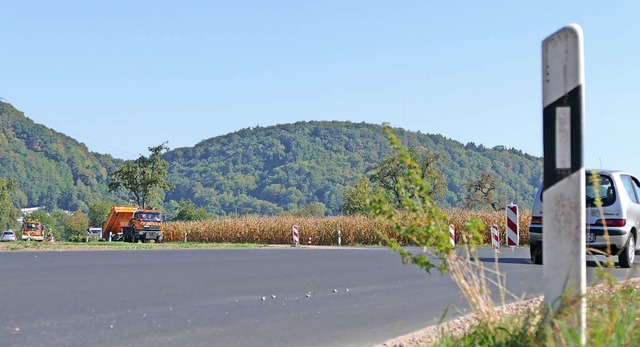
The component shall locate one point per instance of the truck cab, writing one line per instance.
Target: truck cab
(32, 229)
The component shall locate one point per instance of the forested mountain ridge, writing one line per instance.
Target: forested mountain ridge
(261, 170)
(52, 169)
(268, 170)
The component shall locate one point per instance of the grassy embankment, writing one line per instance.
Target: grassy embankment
(612, 320)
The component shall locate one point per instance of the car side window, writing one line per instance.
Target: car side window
(631, 187)
(636, 186)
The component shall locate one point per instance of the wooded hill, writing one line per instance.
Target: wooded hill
(266, 170)
(262, 170)
(52, 169)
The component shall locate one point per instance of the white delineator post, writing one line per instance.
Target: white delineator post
(495, 238)
(296, 236)
(513, 226)
(452, 235)
(563, 214)
(339, 238)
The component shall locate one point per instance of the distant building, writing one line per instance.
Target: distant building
(29, 210)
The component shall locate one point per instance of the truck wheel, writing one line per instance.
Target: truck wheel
(158, 239)
(628, 255)
(143, 238)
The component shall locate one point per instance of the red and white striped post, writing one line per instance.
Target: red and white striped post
(495, 238)
(452, 235)
(513, 226)
(296, 236)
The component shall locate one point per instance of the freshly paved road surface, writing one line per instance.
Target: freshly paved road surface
(215, 297)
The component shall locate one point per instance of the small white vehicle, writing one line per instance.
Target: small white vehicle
(94, 233)
(8, 236)
(613, 227)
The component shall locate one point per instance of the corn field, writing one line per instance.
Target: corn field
(355, 230)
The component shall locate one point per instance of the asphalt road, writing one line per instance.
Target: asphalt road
(232, 297)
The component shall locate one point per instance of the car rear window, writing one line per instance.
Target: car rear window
(599, 188)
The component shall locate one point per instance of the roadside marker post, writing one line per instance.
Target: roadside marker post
(513, 226)
(339, 238)
(563, 223)
(296, 238)
(495, 238)
(452, 234)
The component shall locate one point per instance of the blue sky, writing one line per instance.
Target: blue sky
(469, 70)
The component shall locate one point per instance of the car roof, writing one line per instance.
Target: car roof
(608, 171)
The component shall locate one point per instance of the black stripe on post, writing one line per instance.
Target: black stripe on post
(553, 174)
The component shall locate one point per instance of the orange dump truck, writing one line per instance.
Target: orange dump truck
(32, 229)
(133, 224)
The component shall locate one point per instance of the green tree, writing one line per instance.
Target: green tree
(9, 214)
(75, 226)
(392, 169)
(484, 193)
(413, 215)
(314, 209)
(187, 211)
(385, 182)
(145, 178)
(357, 197)
(98, 212)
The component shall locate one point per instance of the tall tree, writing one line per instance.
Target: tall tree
(389, 173)
(75, 226)
(357, 197)
(98, 212)
(484, 193)
(8, 213)
(144, 177)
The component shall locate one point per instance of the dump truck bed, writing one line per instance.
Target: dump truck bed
(118, 218)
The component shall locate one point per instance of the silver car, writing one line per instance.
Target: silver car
(612, 230)
(8, 236)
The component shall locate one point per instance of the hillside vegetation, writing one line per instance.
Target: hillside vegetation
(268, 170)
(258, 171)
(52, 169)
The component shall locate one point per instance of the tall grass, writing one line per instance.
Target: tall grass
(612, 320)
(355, 230)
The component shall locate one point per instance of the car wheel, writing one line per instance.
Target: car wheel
(536, 254)
(627, 256)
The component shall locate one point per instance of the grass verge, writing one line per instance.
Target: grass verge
(612, 320)
(95, 245)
